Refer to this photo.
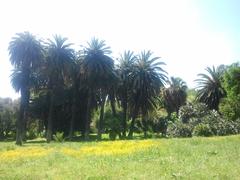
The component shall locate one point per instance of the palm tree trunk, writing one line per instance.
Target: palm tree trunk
(19, 123)
(112, 102)
(144, 125)
(20, 120)
(74, 111)
(26, 115)
(130, 134)
(100, 123)
(88, 116)
(50, 118)
(124, 122)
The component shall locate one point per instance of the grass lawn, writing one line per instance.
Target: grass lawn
(194, 158)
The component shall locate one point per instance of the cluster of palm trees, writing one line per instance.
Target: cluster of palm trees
(56, 82)
(62, 87)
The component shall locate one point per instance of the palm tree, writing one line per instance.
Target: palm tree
(97, 72)
(75, 79)
(175, 95)
(209, 89)
(59, 61)
(25, 55)
(125, 67)
(147, 78)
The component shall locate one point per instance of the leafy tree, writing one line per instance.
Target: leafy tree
(210, 89)
(8, 112)
(26, 53)
(230, 105)
(146, 79)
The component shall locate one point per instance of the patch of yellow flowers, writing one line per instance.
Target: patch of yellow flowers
(110, 148)
(24, 153)
(98, 149)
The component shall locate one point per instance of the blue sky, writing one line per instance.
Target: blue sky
(188, 35)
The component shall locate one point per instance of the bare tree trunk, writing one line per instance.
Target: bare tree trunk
(100, 123)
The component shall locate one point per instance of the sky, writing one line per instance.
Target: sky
(188, 35)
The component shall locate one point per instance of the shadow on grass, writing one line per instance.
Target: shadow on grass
(92, 138)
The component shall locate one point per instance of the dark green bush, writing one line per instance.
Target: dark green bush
(59, 136)
(7, 123)
(160, 126)
(190, 111)
(198, 120)
(179, 129)
(202, 130)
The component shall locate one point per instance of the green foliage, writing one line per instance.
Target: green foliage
(32, 132)
(59, 137)
(65, 87)
(180, 129)
(198, 120)
(175, 95)
(7, 123)
(230, 106)
(210, 89)
(196, 110)
(202, 130)
(160, 126)
(112, 124)
(191, 95)
(8, 113)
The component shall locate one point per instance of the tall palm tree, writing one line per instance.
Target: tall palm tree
(97, 72)
(25, 55)
(59, 60)
(175, 95)
(147, 78)
(125, 67)
(209, 88)
(75, 79)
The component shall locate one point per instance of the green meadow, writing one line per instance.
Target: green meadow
(180, 158)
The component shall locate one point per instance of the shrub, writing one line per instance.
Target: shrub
(202, 130)
(7, 123)
(180, 129)
(112, 135)
(31, 134)
(160, 126)
(59, 136)
(189, 111)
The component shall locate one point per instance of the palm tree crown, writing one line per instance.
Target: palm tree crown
(209, 89)
(25, 51)
(97, 66)
(175, 95)
(147, 78)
